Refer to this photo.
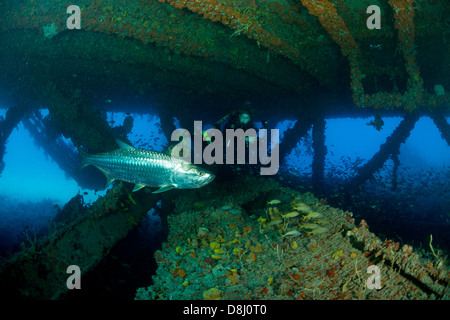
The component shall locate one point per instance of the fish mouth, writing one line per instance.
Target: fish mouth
(208, 179)
(209, 176)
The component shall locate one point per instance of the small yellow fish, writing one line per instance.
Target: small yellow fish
(273, 222)
(317, 231)
(322, 221)
(301, 207)
(290, 214)
(312, 215)
(262, 220)
(309, 226)
(293, 233)
(337, 254)
(272, 202)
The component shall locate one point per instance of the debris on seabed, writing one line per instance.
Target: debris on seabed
(243, 258)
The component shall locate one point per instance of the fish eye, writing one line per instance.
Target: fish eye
(200, 173)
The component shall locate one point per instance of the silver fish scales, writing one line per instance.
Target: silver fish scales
(148, 168)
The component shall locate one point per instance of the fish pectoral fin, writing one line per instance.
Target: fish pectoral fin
(109, 180)
(138, 186)
(164, 188)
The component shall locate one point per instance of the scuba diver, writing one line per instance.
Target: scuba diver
(237, 119)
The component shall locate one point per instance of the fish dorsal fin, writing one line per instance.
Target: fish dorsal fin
(123, 145)
(138, 186)
(164, 188)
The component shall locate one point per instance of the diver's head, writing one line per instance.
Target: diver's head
(244, 118)
(244, 113)
(189, 176)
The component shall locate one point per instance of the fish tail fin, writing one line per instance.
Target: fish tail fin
(84, 159)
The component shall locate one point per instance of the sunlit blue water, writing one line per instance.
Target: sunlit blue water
(31, 177)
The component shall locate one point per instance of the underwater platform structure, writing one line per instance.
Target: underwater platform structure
(308, 60)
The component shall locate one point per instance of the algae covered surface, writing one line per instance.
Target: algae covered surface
(309, 76)
(237, 249)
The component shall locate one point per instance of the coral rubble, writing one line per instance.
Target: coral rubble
(224, 252)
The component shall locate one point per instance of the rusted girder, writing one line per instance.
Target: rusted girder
(442, 125)
(390, 147)
(7, 125)
(39, 271)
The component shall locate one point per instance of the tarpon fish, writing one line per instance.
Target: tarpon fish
(147, 168)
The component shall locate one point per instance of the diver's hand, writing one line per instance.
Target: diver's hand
(251, 139)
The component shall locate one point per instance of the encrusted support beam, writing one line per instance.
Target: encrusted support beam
(39, 271)
(66, 158)
(166, 25)
(320, 151)
(12, 119)
(390, 147)
(293, 136)
(403, 11)
(74, 116)
(404, 23)
(334, 24)
(442, 125)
